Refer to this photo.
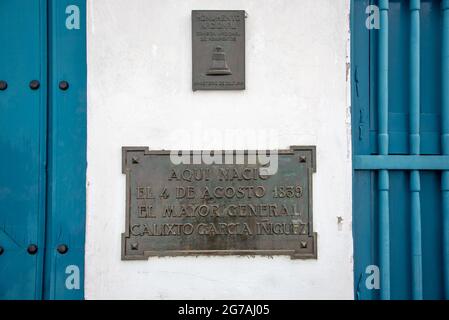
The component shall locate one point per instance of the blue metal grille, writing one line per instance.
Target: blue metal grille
(400, 101)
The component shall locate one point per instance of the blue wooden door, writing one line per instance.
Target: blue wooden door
(42, 148)
(400, 122)
(23, 123)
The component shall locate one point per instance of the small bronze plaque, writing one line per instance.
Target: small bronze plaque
(225, 207)
(218, 50)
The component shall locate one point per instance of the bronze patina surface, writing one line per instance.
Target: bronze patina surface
(218, 209)
(218, 50)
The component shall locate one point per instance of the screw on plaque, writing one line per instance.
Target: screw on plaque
(302, 159)
(303, 244)
(135, 159)
(3, 85)
(34, 84)
(62, 248)
(32, 249)
(134, 246)
(63, 85)
(1, 250)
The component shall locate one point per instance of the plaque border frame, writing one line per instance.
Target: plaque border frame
(311, 238)
(201, 88)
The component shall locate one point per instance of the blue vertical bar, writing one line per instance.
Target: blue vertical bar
(384, 230)
(415, 6)
(383, 176)
(66, 209)
(414, 138)
(363, 224)
(416, 245)
(445, 140)
(23, 125)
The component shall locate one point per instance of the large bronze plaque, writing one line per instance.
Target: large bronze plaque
(194, 208)
(218, 50)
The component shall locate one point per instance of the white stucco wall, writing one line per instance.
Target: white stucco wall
(139, 93)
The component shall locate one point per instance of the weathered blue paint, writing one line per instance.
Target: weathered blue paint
(23, 115)
(414, 159)
(364, 229)
(445, 140)
(43, 143)
(66, 204)
(414, 121)
(383, 176)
